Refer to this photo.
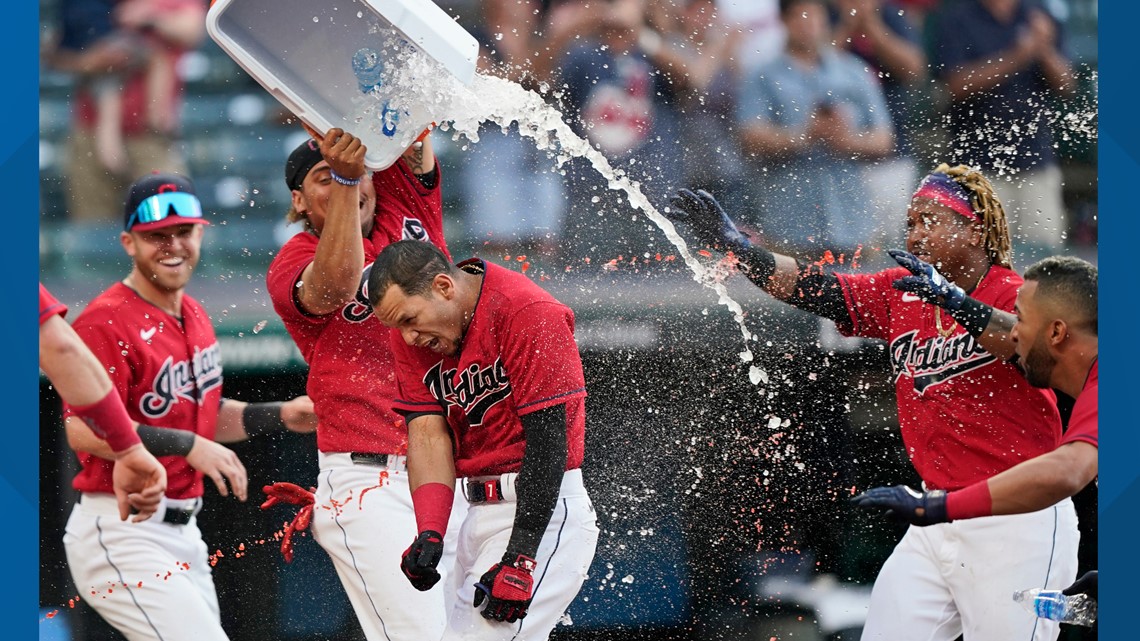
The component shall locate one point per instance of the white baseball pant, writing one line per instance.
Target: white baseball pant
(363, 518)
(564, 557)
(959, 578)
(150, 580)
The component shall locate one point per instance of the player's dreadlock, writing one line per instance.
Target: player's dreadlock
(986, 203)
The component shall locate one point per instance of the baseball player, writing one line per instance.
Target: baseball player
(365, 517)
(1053, 339)
(964, 414)
(152, 580)
(491, 385)
(138, 479)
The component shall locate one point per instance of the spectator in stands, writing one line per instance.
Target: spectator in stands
(878, 32)
(696, 47)
(757, 27)
(102, 159)
(1002, 64)
(618, 99)
(101, 55)
(809, 122)
(513, 201)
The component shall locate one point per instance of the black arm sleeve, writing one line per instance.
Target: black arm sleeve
(819, 292)
(161, 441)
(539, 480)
(816, 291)
(974, 315)
(429, 179)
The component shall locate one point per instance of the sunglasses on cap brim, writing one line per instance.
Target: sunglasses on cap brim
(162, 206)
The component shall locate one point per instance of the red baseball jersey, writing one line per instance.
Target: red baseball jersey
(351, 377)
(1083, 420)
(49, 305)
(518, 356)
(964, 414)
(167, 371)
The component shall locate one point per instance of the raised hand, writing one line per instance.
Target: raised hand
(507, 588)
(926, 283)
(904, 504)
(706, 218)
(343, 152)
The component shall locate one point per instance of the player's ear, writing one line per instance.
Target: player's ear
(128, 243)
(444, 285)
(1058, 332)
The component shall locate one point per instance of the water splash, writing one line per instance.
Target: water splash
(418, 84)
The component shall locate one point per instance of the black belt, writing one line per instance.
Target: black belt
(484, 491)
(178, 516)
(369, 458)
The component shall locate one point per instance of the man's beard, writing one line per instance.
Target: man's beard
(1038, 365)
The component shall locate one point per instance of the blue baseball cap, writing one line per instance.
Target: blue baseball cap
(161, 200)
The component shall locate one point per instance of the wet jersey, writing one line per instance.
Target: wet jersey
(351, 377)
(167, 370)
(517, 356)
(964, 414)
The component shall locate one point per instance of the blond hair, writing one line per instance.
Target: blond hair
(986, 204)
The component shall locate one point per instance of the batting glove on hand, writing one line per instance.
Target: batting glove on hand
(905, 504)
(294, 495)
(926, 282)
(707, 220)
(507, 589)
(1086, 584)
(421, 558)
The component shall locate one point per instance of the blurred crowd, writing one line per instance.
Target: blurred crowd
(811, 120)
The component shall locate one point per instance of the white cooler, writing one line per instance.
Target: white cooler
(303, 53)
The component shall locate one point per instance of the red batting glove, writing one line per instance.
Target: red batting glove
(294, 495)
(507, 588)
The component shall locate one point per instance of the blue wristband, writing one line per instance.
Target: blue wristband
(342, 180)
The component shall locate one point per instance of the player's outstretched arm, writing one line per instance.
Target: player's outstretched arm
(238, 420)
(1026, 487)
(781, 276)
(1041, 481)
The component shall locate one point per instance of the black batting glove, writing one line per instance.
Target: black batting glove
(419, 561)
(926, 283)
(905, 504)
(1086, 584)
(507, 589)
(707, 220)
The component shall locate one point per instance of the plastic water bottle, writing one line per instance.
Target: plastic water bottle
(1077, 609)
(368, 67)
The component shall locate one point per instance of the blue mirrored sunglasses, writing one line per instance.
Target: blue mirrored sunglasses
(164, 205)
